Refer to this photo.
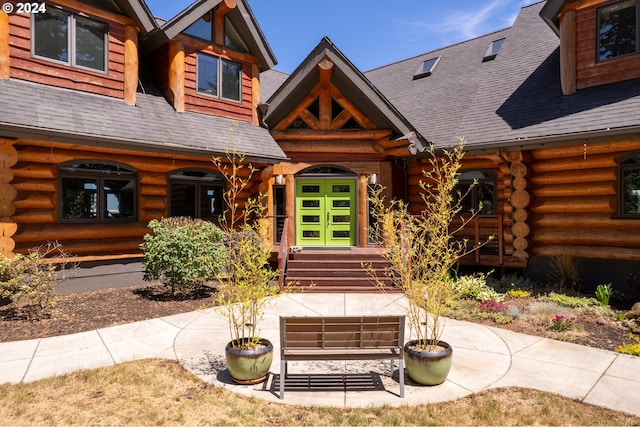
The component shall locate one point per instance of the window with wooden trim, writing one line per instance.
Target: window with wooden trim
(97, 192)
(617, 30)
(478, 191)
(629, 182)
(70, 39)
(219, 77)
(196, 194)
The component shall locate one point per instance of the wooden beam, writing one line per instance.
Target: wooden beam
(94, 11)
(325, 69)
(328, 135)
(130, 64)
(4, 46)
(568, 65)
(295, 112)
(176, 74)
(362, 211)
(358, 115)
(223, 8)
(324, 147)
(255, 93)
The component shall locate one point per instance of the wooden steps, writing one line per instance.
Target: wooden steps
(338, 270)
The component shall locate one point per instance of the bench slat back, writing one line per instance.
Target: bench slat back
(341, 332)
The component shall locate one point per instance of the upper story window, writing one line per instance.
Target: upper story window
(96, 192)
(219, 77)
(629, 177)
(479, 190)
(69, 39)
(196, 194)
(617, 29)
(204, 29)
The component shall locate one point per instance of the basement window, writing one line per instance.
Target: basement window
(426, 68)
(493, 50)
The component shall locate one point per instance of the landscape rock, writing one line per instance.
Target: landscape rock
(634, 313)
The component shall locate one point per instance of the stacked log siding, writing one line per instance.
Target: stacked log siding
(35, 177)
(575, 203)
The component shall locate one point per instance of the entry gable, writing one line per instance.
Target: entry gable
(329, 101)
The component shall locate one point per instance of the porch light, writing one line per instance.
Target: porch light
(279, 179)
(373, 179)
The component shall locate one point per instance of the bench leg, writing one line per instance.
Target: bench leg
(401, 376)
(283, 376)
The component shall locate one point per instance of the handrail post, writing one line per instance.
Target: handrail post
(283, 254)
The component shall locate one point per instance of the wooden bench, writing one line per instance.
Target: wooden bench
(341, 338)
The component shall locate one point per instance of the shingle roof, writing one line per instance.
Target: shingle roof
(39, 111)
(514, 100)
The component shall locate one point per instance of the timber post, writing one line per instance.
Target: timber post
(176, 74)
(520, 199)
(8, 194)
(130, 64)
(4, 46)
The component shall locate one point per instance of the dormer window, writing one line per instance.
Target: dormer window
(617, 30)
(219, 77)
(426, 68)
(493, 50)
(69, 39)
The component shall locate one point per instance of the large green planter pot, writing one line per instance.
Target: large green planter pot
(249, 366)
(428, 367)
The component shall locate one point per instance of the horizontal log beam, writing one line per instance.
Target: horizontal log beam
(329, 135)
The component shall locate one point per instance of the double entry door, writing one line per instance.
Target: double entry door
(326, 212)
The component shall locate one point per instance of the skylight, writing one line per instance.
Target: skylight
(493, 50)
(426, 68)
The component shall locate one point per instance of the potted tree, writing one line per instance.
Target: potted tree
(421, 250)
(246, 281)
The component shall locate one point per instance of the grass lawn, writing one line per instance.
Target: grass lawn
(161, 392)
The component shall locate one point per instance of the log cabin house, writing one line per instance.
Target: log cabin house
(123, 132)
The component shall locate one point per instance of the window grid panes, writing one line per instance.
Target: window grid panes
(97, 192)
(69, 39)
(219, 77)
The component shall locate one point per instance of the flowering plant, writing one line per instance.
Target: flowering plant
(562, 323)
(492, 306)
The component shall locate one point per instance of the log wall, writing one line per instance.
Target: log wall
(34, 180)
(24, 67)
(589, 71)
(575, 203)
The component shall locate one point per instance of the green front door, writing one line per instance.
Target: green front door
(326, 212)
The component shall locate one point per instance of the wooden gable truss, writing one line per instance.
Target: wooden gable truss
(325, 122)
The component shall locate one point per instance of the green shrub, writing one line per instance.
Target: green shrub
(571, 301)
(29, 281)
(511, 281)
(475, 287)
(630, 348)
(182, 252)
(603, 293)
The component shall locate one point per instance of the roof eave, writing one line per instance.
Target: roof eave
(550, 12)
(25, 132)
(550, 141)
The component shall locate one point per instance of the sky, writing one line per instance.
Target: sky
(371, 33)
